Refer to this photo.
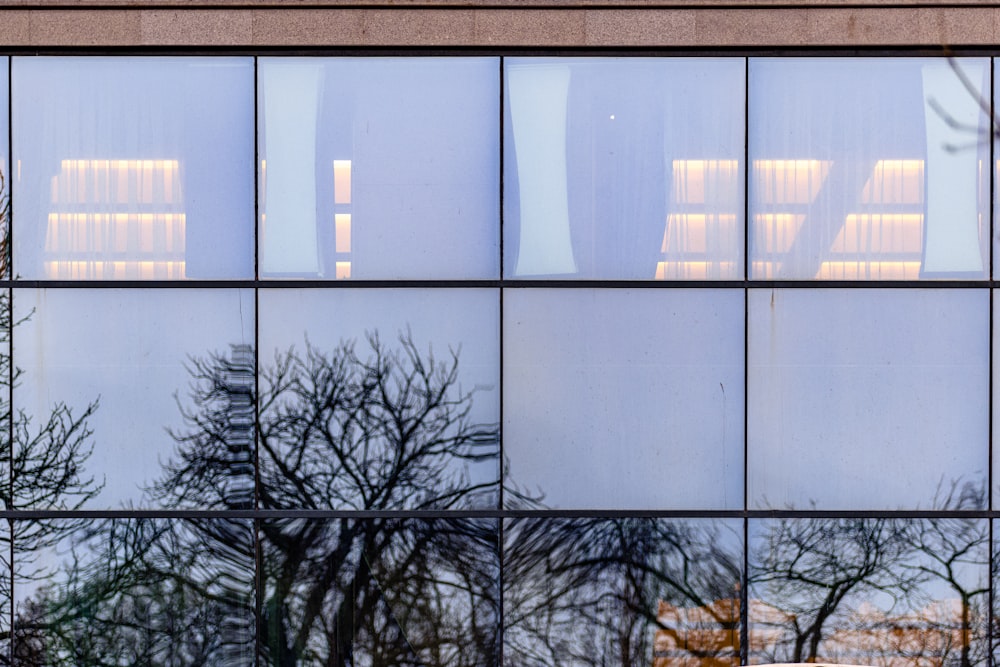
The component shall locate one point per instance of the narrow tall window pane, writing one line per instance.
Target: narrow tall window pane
(624, 168)
(871, 169)
(133, 168)
(624, 399)
(5, 171)
(379, 167)
(867, 399)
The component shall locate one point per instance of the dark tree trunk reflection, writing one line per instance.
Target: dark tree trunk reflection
(606, 591)
(382, 429)
(881, 591)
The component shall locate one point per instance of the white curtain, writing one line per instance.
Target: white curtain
(538, 95)
(291, 104)
(953, 114)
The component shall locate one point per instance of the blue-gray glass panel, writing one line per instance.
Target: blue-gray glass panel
(866, 399)
(134, 591)
(629, 591)
(624, 168)
(5, 171)
(624, 398)
(133, 167)
(380, 592)
(138, 398)
(379, 168)
(379, 399)
(868, 168)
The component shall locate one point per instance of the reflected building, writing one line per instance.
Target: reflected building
(698, 636)
(709, 636)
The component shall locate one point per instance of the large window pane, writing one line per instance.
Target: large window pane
(381, 592)
(379, 399)
(628, 591)
(134, 397)
(379, 167)
(133, 168)
(625, 168)
(872, 591)
(868, 168)
(867, 399)
(134, 592)
(621, 398)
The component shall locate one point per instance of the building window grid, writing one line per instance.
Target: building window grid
(746, 516)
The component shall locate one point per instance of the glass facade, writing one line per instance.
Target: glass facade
(467, 360)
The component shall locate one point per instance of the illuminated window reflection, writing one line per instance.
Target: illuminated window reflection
(867, 169)
(137, 168)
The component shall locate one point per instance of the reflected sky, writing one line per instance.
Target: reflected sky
(845, 385)
(126, 350)
(624, 398)
(326, 321)
(466, 321)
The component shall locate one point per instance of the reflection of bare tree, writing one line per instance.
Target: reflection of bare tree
(811, 572)
(338, 430)
(872, 590)
(594, 591)
(389, 428)
(953, 552)
(46, 460)
(139, 594)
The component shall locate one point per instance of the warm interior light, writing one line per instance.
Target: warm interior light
(137, 270)
(788, 181)
(697, 232)
(886, 242)
(880, 234)
(117, 182)
(342, 222)
(868, 270)
(341, 181)
(343, 270)
(162, 233)
(694, 270)
(705, 181)
(701, 229)
(895, 182)
(776, 232)
(86, 238)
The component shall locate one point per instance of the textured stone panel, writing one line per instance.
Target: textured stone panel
(177, 26)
